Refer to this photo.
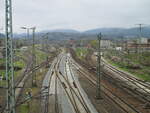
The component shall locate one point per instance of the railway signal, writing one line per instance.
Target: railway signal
(9, 59)
(98, 95)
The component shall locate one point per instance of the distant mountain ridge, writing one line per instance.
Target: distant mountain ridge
(110, 33)
(2, 35)
(121, 31)
(63, 31)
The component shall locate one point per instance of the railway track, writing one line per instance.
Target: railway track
(134, 85)
(25, 76)
(120, 101)
(140, 85)
(65, 85)
(46, 88)
(20, 83)
(110, 94)
(67, 82)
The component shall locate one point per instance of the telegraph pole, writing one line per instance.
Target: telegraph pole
(9, 59)
(98, 96)
(33, 58)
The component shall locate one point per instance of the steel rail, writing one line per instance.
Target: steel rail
(93, 81)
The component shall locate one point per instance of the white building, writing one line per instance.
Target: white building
(143, 40)
(106, 44)
(118, 48)
(24, 48)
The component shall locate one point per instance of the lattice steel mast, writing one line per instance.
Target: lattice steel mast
(33, 58)
(140, 28)
(98, 96)
(9, 59)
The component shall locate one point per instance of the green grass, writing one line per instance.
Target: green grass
(81, 52)
(2, 61)
(40, 56)
(2, 72)
(20, 64)
(138, 73)
(23, 108)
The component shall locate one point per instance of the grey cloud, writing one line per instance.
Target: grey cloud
(77, 14)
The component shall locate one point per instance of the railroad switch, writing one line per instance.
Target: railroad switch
(74, 84)
(52, 72)
(98, 98)
(64, 85)
(60, 72)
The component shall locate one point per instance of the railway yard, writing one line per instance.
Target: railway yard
(80, 56)
(67, 84)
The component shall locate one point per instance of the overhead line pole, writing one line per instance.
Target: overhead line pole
(140, 28)
(47, 41)
(98, 96)
(9, 59)
(33, 58)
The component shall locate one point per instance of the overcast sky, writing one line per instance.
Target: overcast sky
(77, 14)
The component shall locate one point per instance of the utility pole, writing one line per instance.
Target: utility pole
(47, 41)
(9, 59)
(47, 47)
(140, 28)
(140, 36)
(33, 58)
(43, 42)
(98, 96)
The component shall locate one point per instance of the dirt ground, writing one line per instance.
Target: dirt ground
(34, 104)
(104, 105)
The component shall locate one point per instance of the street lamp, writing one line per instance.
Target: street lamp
(28, 31)
(33, 52)
(33, 57)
